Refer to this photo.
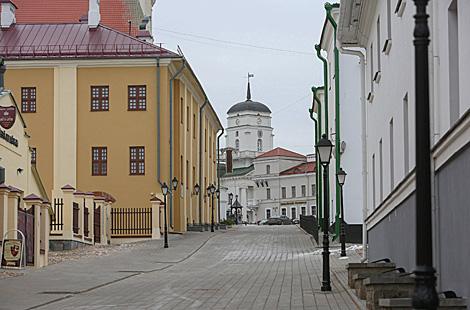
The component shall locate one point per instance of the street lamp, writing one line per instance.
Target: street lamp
(210, 192)
(341, 178)
(236, 209)
(165, 192)
(230, 197)
(324, 148)
(425, 295)
(217, 194)
(197, 188)
(174, 183)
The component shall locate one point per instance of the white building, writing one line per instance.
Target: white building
(255, 174)
(348, 131)
(372, 26)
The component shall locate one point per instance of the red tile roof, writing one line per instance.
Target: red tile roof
(114, 13)
(279, 151)
(65, 41)
(300, 169)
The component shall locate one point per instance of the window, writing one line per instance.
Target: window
(392, 164)
(268, 193)
(187, 174)
(371, 58)
(188, 124)
(99, 156)
(237, 144)
(137, 98)
(378, 46)
(381, 171)
(284, 211)
(205, 140)
(210, 146)
(260, 145)
(303, 211)
(303, 190)
(373, 181)
(314, 210)
(33, 155)
(28, 99)
(314, 190)
(406, 135)
(194, 126)
(454, 80)
(182, 111)
(236, 133)
(268, 169)
(293, 213)
(283, 192)
(260, 133)
(268, 213)
(100, 98)
(137, 160)
(388, 41)
(293, 191)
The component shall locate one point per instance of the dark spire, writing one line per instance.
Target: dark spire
(248, 91)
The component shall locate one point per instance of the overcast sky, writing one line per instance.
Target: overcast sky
(209, 33)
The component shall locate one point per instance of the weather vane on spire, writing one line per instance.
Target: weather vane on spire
(248, 91)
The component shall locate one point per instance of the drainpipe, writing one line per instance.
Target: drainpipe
(171, 135)
(318, 173)
(218, 173)
(328, 8)
(201, 193)
(158, 123)
(362, 61)
(325, 81)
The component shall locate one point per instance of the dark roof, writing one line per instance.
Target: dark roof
(300, 169)
(237, 172)
(279, 151)
(249, 105)
(66, 41)
(114, 13)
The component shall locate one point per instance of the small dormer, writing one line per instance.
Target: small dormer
(8, 17)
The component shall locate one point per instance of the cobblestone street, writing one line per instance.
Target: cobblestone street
(242, 268)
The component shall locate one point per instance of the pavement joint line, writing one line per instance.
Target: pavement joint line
(71, 294)
(346, 290)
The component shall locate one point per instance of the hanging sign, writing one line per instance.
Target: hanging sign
(7, 117)
(12, 253)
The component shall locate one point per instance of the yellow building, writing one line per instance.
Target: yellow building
(24, 204)
(112, 113)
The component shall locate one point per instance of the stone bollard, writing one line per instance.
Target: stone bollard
(379, 287)
(366, 268)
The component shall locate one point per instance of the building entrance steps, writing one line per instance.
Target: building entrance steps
(366, 268)
(387, 286)
(406, 304)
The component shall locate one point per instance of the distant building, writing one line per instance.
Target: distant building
(256, 174)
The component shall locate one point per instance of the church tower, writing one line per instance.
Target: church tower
(249, 131)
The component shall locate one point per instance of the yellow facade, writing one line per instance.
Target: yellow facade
(64, 129)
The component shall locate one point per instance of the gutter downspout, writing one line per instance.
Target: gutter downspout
(201, 193)
(318, 173)
(325, 83)
(362, 61)
(328, 8)
(171, 136)
(158, 123)
(218, 173)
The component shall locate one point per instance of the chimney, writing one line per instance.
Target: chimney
(144, 30)
(3, 68)
(229, 159)
(94, 16)
(8, 13)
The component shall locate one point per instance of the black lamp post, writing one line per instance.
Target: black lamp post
(217, 195)
(230, 197)
(341, 177)
(425, 295)
(210, 192)
(236, 209)
(165, 192)
(324, 148)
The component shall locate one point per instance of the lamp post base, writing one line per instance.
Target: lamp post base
(326, 287)
(425, 295)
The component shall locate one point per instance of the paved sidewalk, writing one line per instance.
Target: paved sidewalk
(253, 267)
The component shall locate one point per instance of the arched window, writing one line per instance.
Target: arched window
(236, 133)
(268, 169)
(260, 145)
(237, 144)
